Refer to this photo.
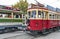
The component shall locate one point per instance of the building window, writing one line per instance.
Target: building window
(0, 15)
(17, 16)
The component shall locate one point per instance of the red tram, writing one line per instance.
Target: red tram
(42, 20)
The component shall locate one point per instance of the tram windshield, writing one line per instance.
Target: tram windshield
(29, 14)
(39, 14)
(32, 14)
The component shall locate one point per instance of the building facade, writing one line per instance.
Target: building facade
(9, 12)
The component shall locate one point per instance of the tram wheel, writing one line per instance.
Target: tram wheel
(45, 32)
(50, 30)
(34, 33)
(58, 28)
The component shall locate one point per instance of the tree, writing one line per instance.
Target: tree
(22, 5)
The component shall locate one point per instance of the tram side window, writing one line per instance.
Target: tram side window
(33, 14)
(56, 16)
(44, 14)
(51, 16)
(59, 16)
(39, 14)
(29, 14)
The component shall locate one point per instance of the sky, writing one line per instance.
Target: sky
(54, 3)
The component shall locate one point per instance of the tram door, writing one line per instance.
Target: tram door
(44, 20)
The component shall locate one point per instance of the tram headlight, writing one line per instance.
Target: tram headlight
(28, 27)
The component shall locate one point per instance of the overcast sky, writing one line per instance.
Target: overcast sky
(54, 3)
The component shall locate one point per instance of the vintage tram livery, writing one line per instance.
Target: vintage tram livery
(42, 20)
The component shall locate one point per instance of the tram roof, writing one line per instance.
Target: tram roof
(48, 7)
(8, 11)
(58, 11)
(38, 8)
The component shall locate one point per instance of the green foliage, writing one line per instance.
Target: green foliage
(22, 5)
(10, 20)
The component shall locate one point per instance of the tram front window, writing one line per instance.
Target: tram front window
(33, 14)
(29, 14)
(39, 14)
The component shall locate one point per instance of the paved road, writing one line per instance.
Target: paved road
(6, 35)
(54, 35)
(23, 35)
